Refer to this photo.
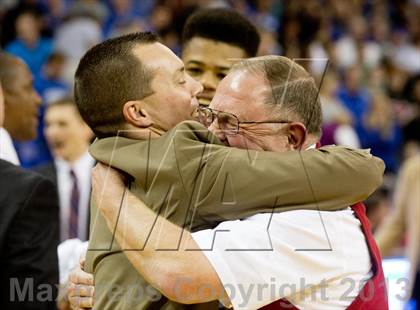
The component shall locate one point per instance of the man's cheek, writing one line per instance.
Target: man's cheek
(252, 141)
(239, 141)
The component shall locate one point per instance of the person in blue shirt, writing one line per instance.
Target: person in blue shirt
(381, 132)
(354, 97)
(373, 118)
(29, 45)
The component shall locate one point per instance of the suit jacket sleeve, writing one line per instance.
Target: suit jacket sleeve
(228, 181)
(329, 178)
(32, 241)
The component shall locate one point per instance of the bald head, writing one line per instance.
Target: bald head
(21, 101)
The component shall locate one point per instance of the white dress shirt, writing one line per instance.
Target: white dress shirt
(265, 258)
(7, 150)
(69, 253)
(82, 168)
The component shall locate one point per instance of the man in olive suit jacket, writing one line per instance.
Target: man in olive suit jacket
(182, 171)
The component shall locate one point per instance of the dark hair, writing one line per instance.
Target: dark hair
(108, 76)
(223, 25)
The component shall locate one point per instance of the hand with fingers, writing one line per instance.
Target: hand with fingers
(81, 288)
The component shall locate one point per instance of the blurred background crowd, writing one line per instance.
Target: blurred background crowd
(364, 55)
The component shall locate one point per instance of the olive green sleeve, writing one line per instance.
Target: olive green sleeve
(227, 180)
(240, 181)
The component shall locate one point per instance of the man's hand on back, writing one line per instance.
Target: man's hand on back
(81, 288)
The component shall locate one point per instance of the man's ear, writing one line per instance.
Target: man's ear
(135, 115)
(296, 135)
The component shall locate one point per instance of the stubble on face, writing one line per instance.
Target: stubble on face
(174, 98)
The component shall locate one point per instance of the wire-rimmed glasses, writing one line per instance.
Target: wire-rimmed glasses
(228, 122)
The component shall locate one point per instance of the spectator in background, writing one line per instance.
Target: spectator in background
(21, 105)
(16, 7)
(405, 218)
(56, 10)
(29, 45)
(269, 44)
(28, 220)
(80, 30)
(396, 80)
(405, 51)
(354, 48)
(211, 44)
(380, 29)
(337, 120)
(265, 15)
(373, 117)
(69, 139)
(354, 97)
(121, 18)
(76, 35)
(162, 21)
(377, 207)
(411, 130)
(380, 131)
(51, 88)
(377, 79)
(289, 39)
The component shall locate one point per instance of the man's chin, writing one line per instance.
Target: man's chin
(204, 101)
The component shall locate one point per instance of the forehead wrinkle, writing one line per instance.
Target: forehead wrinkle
(156, 56)
(242, 94)
(242, 90)
(229, 103)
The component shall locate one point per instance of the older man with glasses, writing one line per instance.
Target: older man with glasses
(304, 257)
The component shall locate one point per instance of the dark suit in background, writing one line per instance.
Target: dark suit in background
(29, 236)
(49, 171)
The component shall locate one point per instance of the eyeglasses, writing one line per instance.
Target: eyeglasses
(228, 122)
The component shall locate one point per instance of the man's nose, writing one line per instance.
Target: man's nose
(196, 87)
(215, 129)
(209, 80)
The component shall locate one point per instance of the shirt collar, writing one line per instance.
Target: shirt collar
(80, 164)
(7, 150)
